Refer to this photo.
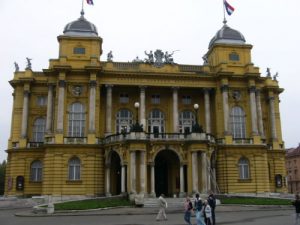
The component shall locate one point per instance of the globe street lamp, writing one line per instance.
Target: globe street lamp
(196, 127)
(136, 127)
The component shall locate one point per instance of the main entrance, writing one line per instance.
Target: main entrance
(115, 174)
(167, 168)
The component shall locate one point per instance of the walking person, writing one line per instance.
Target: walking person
(212, 203)
(188, 207)
(296, 203)
(198, 206)
(162, 203)
(207, 211)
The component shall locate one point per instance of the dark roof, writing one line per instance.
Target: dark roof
(227, 35)
(81, 27)
(293, 152)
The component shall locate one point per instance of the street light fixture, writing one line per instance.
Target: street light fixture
(136, 127)
(196, 127)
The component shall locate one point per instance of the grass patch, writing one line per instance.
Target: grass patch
(92, 204)
(254, 201)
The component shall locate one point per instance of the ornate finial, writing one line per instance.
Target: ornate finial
(224, 21)
(82, 13)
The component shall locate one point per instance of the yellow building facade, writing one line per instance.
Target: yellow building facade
(89, 127)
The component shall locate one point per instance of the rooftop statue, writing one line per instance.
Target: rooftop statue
(168, 58)
(110, 56)
(268, 72)
(28, 66)
(150, 58)
(17, 68)
(159, 55)
(275, 76)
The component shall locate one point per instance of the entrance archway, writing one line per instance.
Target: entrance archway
(167, 172)
(115, 174)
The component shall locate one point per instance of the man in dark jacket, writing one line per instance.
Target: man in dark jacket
(212, 203)
(296, 203)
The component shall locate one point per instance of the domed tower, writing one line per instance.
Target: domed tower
(229, 47)
(80, 41)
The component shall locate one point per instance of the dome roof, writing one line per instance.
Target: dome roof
(81, 27)
(227, 35)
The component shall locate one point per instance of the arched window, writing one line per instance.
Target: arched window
(244, 168)
(124, 120)
(238, 124)
(36, 171)
(76, 120)
(74, 168)
(186, 121)
(156, 121)
(39, 127)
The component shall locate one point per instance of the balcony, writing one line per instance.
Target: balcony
(158, 137)
(34, 144)
(75, 140)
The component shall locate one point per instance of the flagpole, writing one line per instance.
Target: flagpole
(224, 14)
(82, 4)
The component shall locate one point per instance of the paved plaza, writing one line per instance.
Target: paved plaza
(225, 215)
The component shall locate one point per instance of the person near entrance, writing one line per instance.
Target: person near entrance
(188, 208)
(162, 203)
(199, 210)
(296, 203)
(212, 203)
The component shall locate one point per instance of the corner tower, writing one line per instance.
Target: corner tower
(80, 43)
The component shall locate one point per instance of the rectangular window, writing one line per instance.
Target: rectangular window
(155, 99)
(78, 50)
(124, 98)
(186, 99)
(41, 100)
(234, 57)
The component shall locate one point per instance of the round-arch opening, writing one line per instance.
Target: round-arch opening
(167, 173)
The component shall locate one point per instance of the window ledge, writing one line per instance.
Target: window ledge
(244, 180)
(74, 182)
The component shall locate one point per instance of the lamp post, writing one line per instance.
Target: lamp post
(196, 127)
(137, 127)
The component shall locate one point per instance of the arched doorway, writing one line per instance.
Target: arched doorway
(167, 172)
(115, 173)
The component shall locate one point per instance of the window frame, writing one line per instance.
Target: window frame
(36, 171)
(39, 129)
(76, 120)
(244, 168)
(74, 167)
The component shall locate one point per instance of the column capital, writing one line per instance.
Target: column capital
(26, 93)
(142, 87)
(61, 83)
(258, 91)
(175, 88)
(252, 89)
(93, 83)
(224, 88)
(271, 98)
(109, 85)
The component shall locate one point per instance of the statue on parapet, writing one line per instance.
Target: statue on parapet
(268, 72)
(110, 56)
(159, 56)
(17, 68)
(168, 58)
(275, 76)
(28, 66)
(150, 58)
(137, 60)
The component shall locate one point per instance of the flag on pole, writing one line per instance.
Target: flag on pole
(228, 7)
(90, 2)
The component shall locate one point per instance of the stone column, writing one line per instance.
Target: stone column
(259, 115)
(253, 111)
(225, 109)
(272, 116)
(195, 172)
(142, 172)
(153, 180)
(132, 172)
(108, 108)
(207, 111)
(25, 114)
(143, 106)
(182, 192)
(204, 172)
(49, 109)
(123, 190)
(175, 110)
(60, 106)
(92, 109)
(107, 183)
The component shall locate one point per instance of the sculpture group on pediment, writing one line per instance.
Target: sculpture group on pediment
(159, 58)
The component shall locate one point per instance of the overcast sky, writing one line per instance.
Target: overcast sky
(128, 27)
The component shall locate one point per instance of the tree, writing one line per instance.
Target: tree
(2, 176)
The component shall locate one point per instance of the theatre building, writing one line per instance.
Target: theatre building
(92, 127)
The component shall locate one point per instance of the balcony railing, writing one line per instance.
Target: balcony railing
(75, 140)
(242, 141)
(158, 136)
(34, 144)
